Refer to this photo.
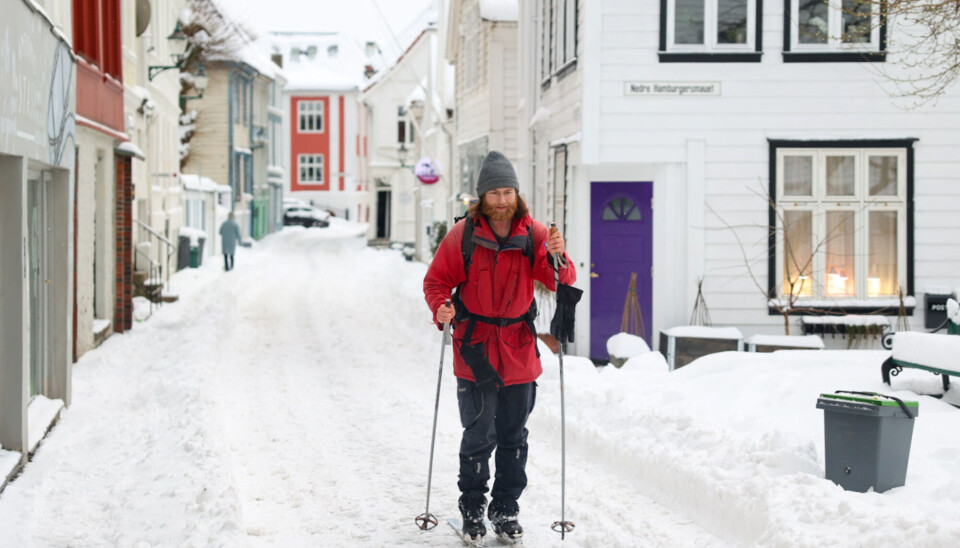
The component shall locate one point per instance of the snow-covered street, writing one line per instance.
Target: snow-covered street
(289, 403)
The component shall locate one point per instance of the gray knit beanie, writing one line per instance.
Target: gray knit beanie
(496, 171)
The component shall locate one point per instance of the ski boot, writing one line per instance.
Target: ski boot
(503, 516)
(471, 508)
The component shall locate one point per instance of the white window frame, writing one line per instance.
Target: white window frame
(545, 38)
(564, 33)
(310, 160)
(861, 204)
(316, 110)
(710, 43)
(403, 117)
(834, 31)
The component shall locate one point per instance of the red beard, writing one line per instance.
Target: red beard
(503, 215)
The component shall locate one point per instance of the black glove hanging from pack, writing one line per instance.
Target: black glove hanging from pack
(562, 325)
(484, 374)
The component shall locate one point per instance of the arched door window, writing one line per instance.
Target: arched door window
(621, 209)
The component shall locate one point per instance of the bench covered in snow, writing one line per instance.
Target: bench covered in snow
(938, 354)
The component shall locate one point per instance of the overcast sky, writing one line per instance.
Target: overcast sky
(361, 18)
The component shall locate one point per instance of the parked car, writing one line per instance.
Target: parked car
(305, 215)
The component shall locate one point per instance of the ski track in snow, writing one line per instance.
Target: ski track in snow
(289, 403)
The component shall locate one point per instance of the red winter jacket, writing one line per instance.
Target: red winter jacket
(500, 285)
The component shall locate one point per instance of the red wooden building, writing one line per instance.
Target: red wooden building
(103, 191)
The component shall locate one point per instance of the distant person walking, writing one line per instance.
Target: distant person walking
(229, 237)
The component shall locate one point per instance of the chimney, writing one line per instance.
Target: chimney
(277, 59)
(369, 71)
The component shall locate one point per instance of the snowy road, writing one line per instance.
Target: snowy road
(289, 403)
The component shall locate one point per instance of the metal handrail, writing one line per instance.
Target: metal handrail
(164, 271)
(153, 272)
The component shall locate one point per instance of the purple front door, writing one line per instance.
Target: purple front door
(621, 242)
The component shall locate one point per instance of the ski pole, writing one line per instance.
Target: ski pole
(426, 520)
(563, 526)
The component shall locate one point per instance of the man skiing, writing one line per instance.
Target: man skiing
(492, 258)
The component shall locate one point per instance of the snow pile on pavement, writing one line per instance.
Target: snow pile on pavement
(734, 441)
(624, 346)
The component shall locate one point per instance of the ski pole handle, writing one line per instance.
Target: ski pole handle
(553, 230)
(445, 335)
(556, 256)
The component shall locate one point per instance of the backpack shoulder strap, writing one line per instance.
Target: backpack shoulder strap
(528, 250)
(467, 244)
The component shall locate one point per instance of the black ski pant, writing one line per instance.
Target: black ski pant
(494, 420)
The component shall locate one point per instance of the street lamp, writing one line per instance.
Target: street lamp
(402, 154)
(178, 37)
(200, 80)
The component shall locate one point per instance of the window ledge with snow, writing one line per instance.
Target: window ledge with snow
(888, 306)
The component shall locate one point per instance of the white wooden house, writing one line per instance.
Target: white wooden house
(406, 117)
(655, 133)
(481, 42)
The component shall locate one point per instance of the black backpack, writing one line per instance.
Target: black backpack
(467, 244)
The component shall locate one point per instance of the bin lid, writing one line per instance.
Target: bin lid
(875, 400)
(868, 403)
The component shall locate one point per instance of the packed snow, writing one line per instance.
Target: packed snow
(289, 402)
(929, 349)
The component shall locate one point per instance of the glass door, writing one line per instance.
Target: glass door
(37, 185)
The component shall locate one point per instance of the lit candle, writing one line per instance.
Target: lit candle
(835, 283)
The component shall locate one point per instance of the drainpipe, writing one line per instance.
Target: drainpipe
(230, 79)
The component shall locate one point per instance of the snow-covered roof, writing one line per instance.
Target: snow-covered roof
(238, 39)
(319, 77)
(319, 60)
(251, 56)
(499, 10)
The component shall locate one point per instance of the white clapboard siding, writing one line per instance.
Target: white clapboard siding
(761, 101)
(209, 143)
